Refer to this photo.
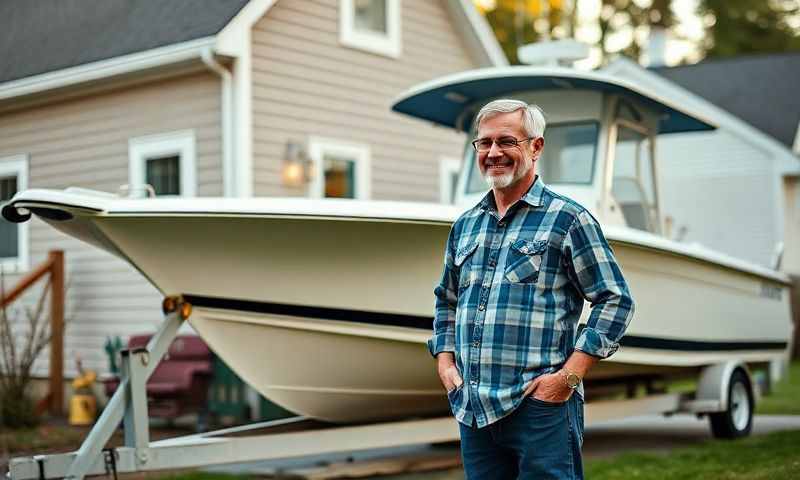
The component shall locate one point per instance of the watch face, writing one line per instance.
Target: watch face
(573, 380)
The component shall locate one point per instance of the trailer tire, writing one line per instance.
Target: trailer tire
(737, 420)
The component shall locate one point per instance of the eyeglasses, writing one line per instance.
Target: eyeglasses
(483, 145)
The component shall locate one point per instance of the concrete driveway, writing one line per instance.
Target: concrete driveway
(657, 433)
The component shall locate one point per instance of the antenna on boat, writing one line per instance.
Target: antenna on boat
(558, 53)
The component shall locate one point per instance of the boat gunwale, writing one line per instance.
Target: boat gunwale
(347, 210)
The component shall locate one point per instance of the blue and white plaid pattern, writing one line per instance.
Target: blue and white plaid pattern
(511, 295)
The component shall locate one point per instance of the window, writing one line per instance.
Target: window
(166, 162)
(569, 153)
(371, 25)
(341, 170)
(449, 168)
(633, 186)
(568, 156)
(13, 236)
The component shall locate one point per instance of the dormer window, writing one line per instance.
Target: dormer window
(371, 25)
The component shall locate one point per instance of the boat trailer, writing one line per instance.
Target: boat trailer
(128, 405)
(138, 454)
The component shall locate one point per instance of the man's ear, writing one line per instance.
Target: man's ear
(537, 146)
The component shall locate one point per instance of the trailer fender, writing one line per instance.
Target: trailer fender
(713, 385)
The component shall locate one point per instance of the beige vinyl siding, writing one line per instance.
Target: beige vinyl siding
(305, 83)
(84, 142)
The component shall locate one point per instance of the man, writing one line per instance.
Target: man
(518, 267)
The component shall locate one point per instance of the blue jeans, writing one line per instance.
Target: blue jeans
(539, 440)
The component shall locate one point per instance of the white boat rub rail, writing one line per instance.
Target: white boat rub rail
(263, 207)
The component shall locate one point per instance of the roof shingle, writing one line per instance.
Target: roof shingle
(761, 90)
(46, 35)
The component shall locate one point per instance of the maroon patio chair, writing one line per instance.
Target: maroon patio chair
(179, 384)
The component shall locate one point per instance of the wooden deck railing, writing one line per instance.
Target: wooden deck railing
(54, 265)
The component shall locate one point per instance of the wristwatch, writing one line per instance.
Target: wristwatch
(571, 379)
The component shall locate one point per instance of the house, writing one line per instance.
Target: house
(762, 91)
(230, 98)
(733, 189)
(759, 89)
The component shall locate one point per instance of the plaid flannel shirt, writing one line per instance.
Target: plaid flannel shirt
(511, 295)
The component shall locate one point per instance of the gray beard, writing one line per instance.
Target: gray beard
(504, 181)
(499, 181)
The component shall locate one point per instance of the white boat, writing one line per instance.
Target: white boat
(324, 306)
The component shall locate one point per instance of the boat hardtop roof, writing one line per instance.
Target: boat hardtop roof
(447, 100)
(103, 204)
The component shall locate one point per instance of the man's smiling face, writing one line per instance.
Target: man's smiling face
(502, 168)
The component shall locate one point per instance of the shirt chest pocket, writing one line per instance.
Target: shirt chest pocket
(525, 261)
(467, 264)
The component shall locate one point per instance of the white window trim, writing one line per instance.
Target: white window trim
(389, 45)
(180, 143)
(17, 165)
(448, 166)
(318, 146)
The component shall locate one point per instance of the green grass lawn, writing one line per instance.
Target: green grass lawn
(44, 437)
(785, 397)
(773, 456)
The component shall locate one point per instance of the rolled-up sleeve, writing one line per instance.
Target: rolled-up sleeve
(446, 292)
(594, 270)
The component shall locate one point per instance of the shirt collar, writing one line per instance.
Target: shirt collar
(533, 197)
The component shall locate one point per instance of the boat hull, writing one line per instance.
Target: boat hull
(328, 315)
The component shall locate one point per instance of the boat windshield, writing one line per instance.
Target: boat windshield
(633, 187)
(568, 157)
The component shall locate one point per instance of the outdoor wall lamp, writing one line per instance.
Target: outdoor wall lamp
(296, 165)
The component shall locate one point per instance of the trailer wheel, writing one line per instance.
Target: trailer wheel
(737, 420)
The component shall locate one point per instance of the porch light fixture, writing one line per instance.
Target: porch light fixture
(296, 165)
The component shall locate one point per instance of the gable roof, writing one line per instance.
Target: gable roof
(51, 44)
(761, 90)
(46, 35)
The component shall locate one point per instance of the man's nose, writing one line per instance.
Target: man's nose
(494, 151)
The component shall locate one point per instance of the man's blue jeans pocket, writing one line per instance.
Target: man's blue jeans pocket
(538, 440)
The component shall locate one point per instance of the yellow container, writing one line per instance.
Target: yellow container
(82, 409)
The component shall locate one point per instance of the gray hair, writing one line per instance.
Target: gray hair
(533, 121)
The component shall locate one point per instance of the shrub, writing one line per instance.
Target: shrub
(17, 409)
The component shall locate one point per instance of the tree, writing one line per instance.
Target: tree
(518, 22)
(514, 22)
(738, 27)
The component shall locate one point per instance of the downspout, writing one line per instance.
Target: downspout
(228, 167)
